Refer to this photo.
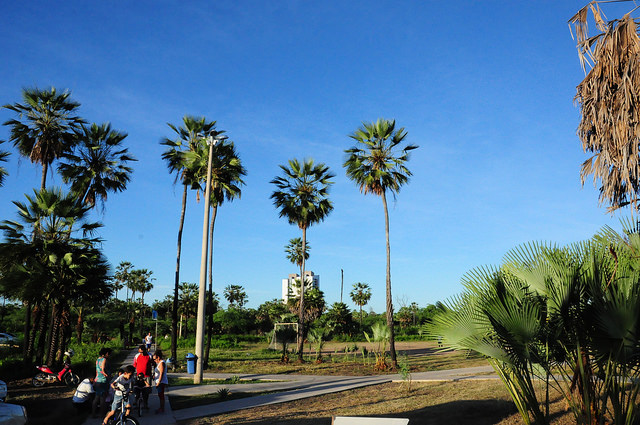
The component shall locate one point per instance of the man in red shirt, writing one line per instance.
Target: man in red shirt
(143, 364)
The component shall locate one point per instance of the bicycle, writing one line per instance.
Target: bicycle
(120, 417)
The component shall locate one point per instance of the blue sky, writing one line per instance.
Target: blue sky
(484, 88)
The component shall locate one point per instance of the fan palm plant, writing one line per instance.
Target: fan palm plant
(49, 257)
(302, 198)
(187, 137)
(45, 126)
(360, 296)
(377, 165)
(97, 165)
(294, 252)
(564, 316)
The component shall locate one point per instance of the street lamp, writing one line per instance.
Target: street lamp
(211, 141)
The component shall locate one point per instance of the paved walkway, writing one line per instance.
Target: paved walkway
(289, 387)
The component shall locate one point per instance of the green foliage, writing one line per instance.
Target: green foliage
(339, 319)
(405, 370)
(572, 312)
(380, 336)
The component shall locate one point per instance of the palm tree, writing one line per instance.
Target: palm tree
(188, 136)
(377, 165)
(142, 278)
(302, 198)
(188, 303)
(360, 296)
(98, 165)
(294, 252)
(45, 126)
(235, 295)
(43, 130)
(226, 181)
(50, 258)
(3, 171)
(122, 277)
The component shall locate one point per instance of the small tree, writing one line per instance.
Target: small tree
(235, 295)
(360, 296)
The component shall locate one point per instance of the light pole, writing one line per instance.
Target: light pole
(211, 141)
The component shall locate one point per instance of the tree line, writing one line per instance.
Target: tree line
(92, 160)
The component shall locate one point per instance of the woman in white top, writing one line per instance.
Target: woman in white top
(160, 378)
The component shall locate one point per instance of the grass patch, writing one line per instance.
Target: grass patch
(339, 358)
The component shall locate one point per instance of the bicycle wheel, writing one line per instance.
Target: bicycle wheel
(140, 406)
(71, 379)
(128, 420)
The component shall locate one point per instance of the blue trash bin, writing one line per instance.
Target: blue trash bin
(191, 362)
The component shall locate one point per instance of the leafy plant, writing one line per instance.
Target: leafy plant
(380, 336)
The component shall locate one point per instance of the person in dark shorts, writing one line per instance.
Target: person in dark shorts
(101, 381)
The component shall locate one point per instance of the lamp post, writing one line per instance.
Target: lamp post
(211, 141)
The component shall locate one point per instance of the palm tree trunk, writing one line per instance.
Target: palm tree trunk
(392, 343)
(174, 311)
(43, 180)
(205, 361)
(54, 334)
(42, 330)
(79, 326)
(30, 340)
(27, 328)
(301, 312)
(142, 332)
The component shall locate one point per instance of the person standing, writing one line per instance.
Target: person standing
(148, 340)
(101, 381)
(160, 378)
(142, 362)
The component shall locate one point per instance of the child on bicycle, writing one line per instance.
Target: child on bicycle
(141, 389)
(121, 384)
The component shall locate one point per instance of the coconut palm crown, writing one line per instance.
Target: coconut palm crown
(44, 127)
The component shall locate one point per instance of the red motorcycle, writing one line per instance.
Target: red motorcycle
(66, 375)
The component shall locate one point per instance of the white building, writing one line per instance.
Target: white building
(291, 290)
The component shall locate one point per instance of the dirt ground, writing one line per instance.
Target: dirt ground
(459, 403)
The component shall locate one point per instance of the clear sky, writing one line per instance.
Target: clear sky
(484, 88)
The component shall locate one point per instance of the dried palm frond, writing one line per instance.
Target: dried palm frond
(609, 102)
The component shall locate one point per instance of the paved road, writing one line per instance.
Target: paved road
(290, 387)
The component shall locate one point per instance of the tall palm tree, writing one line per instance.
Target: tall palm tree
(188, 136)
(43, 130)
(45, 126)
(302, 196)
(360, 296)
(377, 165)
(98, 164)
(3, 171)
(235, 295)
(294, 252)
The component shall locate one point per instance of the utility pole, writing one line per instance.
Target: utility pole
(341, 283)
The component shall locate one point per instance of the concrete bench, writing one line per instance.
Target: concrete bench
(356, 420)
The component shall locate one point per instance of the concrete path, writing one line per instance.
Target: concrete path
(289, 387)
